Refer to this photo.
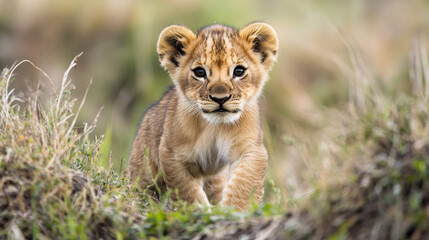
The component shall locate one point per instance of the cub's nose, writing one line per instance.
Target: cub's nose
(220, 100)
(219, 93)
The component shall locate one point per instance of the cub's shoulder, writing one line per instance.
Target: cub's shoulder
(168, 94)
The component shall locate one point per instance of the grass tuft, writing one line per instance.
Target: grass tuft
(49, 184)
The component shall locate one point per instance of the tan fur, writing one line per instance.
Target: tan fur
(208, 156)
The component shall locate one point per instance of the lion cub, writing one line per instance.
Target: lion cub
(205, 133)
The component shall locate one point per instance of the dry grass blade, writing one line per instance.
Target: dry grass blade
(363, 91)
(10, 74)
(65, 83)
(425, 63)
(419, 70)
(79, 109)
(6, 95)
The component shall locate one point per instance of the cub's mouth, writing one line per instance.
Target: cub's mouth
(221, 110)
(220, 106)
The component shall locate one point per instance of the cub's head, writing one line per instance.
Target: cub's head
(219, 71)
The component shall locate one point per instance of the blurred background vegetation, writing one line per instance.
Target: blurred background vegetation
(118, 39)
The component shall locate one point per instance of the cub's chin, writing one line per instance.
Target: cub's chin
(217, 117)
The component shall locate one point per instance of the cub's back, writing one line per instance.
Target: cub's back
(149, 137)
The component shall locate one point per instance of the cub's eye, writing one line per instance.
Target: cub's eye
(239, 71)
(199, 72)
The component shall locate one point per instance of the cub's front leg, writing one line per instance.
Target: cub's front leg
(178, 177)
(214, 185)
(247, 179)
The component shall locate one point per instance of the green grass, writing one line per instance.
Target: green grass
(369, 176)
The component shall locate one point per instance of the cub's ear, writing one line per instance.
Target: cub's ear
(262, 40)
(172, 44)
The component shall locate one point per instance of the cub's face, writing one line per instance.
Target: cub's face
(219, 71)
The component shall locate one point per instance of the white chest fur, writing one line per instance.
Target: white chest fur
(212, 151)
